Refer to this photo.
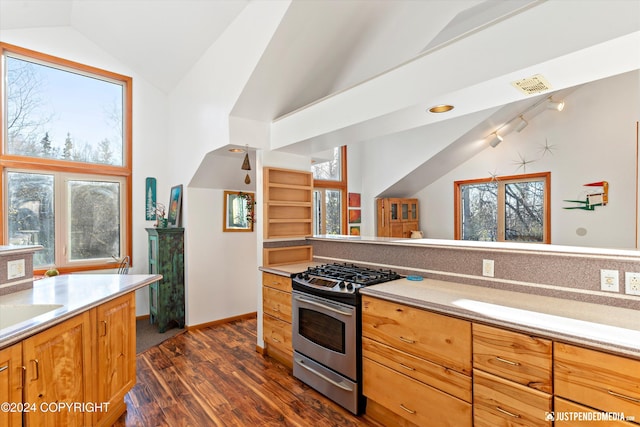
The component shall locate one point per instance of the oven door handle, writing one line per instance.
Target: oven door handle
(324, 377)
(326, 307)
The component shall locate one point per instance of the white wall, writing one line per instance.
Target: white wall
(149, 126)
(198, 124)
(593, 139)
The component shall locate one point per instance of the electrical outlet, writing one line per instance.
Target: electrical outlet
(15, 269)
(487, 267)
(609, 281)
(631, 283)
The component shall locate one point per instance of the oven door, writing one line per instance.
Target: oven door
(325, 331)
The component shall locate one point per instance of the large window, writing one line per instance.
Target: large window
(514, 208)
(330, 187)
(66, 160)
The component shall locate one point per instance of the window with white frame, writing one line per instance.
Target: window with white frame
(66, 160)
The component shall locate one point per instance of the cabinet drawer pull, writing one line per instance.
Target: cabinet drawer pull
(508, 362)
(407, 409)
(4, 368)
(276, 308)
(511, 414)
(274, 339)
(622, 396)
(408, 368)
(407, 340)
(104, 330)
(37, 367)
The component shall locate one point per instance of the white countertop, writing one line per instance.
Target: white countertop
(75, 292)
(596, 326)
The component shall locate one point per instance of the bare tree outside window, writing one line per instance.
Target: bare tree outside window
(57, 113)
(511, 208)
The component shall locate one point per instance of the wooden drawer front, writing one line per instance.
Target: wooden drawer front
(276, 303)
(441, 339)
(452, 382)
(277, 333)
(498, 402)
(570, 414)
(518, 357)
(600, 380)
(275, 281)
(416, 402)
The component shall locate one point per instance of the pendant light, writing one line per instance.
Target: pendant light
(246, 166)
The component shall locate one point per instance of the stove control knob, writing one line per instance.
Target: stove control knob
(349, 286)
(299, 276)
(306, 277)
(342, 284)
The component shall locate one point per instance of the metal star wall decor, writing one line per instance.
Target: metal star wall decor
(493, 175)
(547, 148)
(522, 163)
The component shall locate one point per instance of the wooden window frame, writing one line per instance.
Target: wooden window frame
(34, 164)
(338, 185)
(546, 236)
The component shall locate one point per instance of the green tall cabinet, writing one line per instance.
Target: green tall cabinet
(166, 257)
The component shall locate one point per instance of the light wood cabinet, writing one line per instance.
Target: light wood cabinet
(276, 319)
(89, 359)
(521, 358)
(571, 414)
(58, 370)
(416, 365)
(11, 378)
(116, 355)
(441, 339)
(602, 381)
(512, 378)
(288, 203)
(502, 403)
(397, 217)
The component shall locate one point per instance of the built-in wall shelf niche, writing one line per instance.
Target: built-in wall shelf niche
(288, 197)
(287, 255)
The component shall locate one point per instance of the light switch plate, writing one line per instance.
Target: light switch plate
(487, 267)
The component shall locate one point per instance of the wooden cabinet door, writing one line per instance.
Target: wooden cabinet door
(116, 355)
(59, 371)
(11, 385)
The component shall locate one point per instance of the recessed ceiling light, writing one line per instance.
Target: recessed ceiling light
(442, 108)
(236, 150)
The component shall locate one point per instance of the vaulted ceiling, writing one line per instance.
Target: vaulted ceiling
(350, 61)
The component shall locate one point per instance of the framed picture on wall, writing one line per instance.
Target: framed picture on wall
(175, 206)
(354, 216)
(238, 211)
(354, 200)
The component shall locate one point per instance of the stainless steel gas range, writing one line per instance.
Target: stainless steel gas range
(327, 329)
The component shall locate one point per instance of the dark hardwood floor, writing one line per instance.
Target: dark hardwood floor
(215, 377)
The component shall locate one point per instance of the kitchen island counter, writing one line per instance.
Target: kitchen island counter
(607, 328)
(75, 293)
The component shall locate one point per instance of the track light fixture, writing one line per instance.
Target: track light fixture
(495, 139)
(555, 105)
(522, 123)
(518, 123)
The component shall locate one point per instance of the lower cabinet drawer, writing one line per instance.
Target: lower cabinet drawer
(498, 402)
(518, 357)
(447, 380)
(277, 334)
(571, 414)
(412, 400)
(276, 303)
(600, 380)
